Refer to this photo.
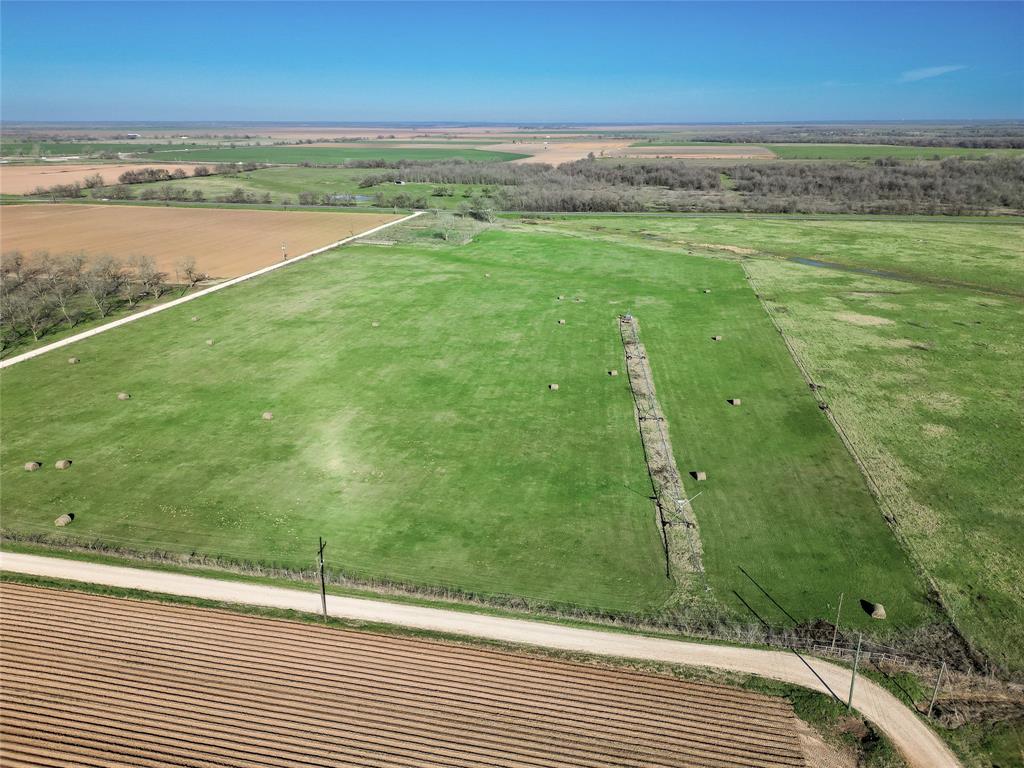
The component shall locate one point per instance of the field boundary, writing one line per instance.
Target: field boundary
(888, 514)
(679, 534)
(198, 294)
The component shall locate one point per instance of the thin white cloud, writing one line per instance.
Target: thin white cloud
(913, 75)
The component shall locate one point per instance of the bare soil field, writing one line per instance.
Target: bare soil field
(223, 242)
(702, 153)
(556, 152)
(93, 680)
(24, 179)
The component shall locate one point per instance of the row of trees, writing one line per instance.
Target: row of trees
(44, 292)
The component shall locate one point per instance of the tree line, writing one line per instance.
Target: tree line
(46, 292)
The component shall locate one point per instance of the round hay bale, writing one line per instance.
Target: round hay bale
(561, 322)
(552, 386)
(734, 401)
(32, 466)
(63, 520)
(561, 297)
(195, 319)
(613, 372)
(63, 464)
(123, 396)
(698, 475)
(716, 338)
(209, 342)
(577, 299)
(268, 416)
(874, 610)
(487, 274)
(707, 290)
(375, 324)
(72, 361)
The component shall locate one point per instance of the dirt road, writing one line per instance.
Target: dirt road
(919, 745)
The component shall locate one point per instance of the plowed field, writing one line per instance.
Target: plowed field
(223, 242)
(91, 680)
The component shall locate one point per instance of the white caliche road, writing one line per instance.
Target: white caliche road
(916, 741)
(193, 296)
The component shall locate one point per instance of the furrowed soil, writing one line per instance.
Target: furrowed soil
(224, 243)
(93, 680)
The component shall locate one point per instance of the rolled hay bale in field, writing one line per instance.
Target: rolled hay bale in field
(63, 464)
(32, 466)
(707, 290)
(552, 386)
(716, 338)
(560, 298)
(195, 319)
(822, 406)
(375, 324)
(209, 342)
(123, 396)
(577, 299)
(487, 274)
(613, 372)
(874, 610)
(268, 416)
(63, 520)
(734, 401)
(73, 361)
(698, 475)
(561, 322)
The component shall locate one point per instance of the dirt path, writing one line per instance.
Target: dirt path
(919, 745)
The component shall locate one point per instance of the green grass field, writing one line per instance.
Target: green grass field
(286, 182)
(923, 376)
(430, 450)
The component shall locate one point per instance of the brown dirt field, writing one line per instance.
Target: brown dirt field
(559, 151)
(224, 242)
(23, 179)
(92, 680)
(702, 153)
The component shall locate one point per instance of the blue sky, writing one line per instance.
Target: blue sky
(528, 61)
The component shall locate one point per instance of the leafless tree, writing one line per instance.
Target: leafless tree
(149, 277)
(188, 271)
(63, 276)
(102, 281)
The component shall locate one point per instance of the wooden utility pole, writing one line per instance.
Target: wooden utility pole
(935, 692)
(323, 584)
(853, 678)
(835, 627)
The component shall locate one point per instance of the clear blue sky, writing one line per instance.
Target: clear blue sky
(529, 61)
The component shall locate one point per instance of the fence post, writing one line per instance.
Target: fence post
(935, 691)
(835, 627)
(853, 678)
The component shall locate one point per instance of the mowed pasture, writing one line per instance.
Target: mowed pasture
(190, 686)
(923, 375)
(223, 242)
(429, 449)
(25, 179)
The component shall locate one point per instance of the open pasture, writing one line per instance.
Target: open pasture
(334, 155)
(24, 179)
(430, 447)
(224, 243)
(191, 686)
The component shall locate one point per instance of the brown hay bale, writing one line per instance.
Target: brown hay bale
(375, 324)
(698, 475)
(561, 297)
(268, 416)
(123, 396)
(874, 610)
(209, 342)
(734, 401)
(707, 290)
(561, 322)
(487, 274)
(716, 338)
(72, 361)
(552, 386)
(32, 466)
(613, 372)
(63, 464)
(195, 319)
(63, 520)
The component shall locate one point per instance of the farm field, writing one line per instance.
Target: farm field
(224, 243)
(23, 179)
(922, 376)
(327, 155)
(795, 151)
(204, 687)
(431, 445)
